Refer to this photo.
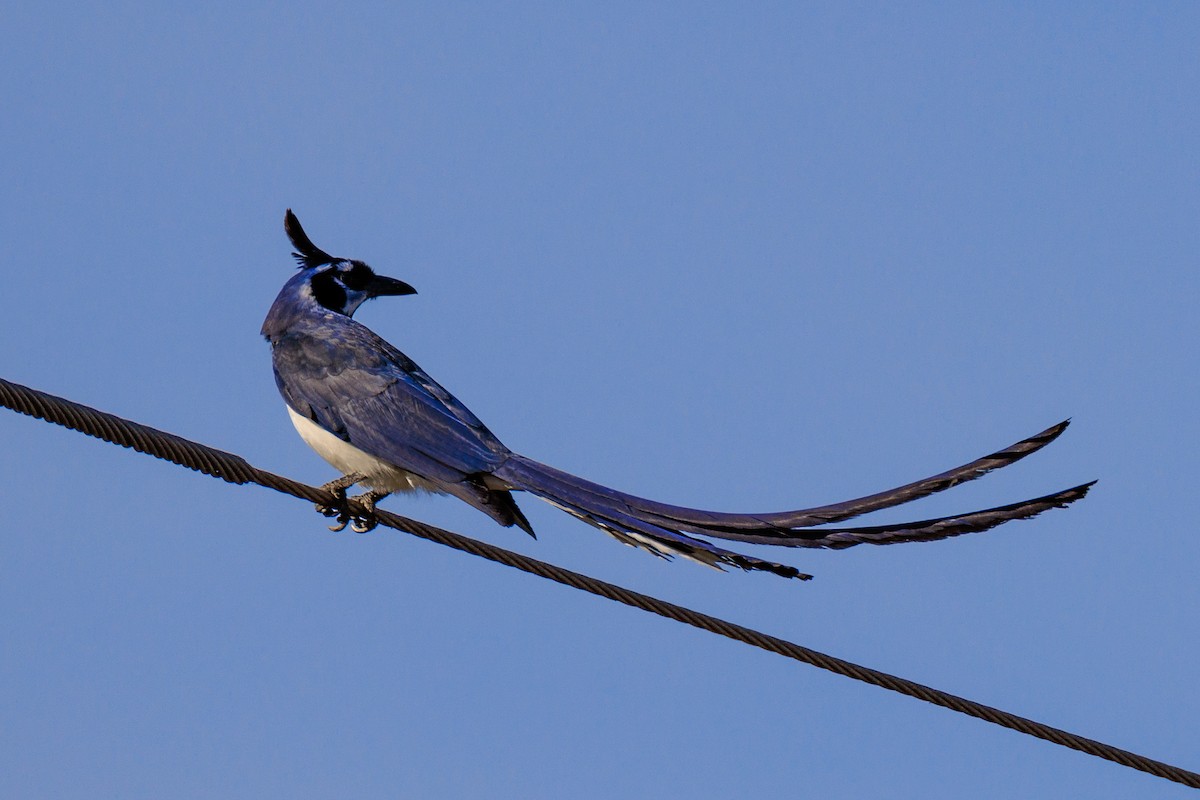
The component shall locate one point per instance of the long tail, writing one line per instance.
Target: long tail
(663, 529)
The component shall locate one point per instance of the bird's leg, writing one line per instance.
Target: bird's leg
(338, 489)
(366, 522)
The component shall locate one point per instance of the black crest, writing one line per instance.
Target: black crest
(307, 253)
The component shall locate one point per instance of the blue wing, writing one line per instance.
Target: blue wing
(357, 386)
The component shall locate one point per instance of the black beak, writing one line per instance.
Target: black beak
(381, 286)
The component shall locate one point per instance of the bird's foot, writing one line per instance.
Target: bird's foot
(362, 523)
(343, 516)
(338, 508)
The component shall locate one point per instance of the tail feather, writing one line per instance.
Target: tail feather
(705, 521)
(668, 544)
(663, 529)
(784, 522)
(928, 530)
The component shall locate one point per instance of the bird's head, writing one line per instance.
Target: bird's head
(338, 284)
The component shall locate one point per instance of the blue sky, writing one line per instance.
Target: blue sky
(740, 259)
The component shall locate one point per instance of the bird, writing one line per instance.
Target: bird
(386, 425)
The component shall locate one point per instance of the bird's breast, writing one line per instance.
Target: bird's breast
(344, 456)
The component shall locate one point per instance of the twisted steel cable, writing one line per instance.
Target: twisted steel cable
(235, 469)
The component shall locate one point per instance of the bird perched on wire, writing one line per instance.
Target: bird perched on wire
(377, 417)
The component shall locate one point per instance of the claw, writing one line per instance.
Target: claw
(339, 510)
(363, 524)
(359, 523)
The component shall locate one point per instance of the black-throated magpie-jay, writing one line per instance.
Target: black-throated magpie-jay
(376, 416)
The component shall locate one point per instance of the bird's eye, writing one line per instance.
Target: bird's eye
(356, 277)
(328, 292)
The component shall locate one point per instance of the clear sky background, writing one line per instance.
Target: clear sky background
(745, 259)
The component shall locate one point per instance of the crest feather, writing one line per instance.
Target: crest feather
(307, 254)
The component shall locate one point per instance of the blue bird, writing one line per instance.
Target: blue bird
(377, 417)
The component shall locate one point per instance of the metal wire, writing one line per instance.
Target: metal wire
(234, 469)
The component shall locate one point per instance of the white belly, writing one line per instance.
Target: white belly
(347, 458)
